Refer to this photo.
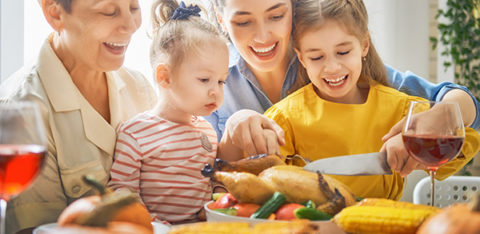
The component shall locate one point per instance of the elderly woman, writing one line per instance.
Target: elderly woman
(83, 92)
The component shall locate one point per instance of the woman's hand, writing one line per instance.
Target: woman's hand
(430, 118)
(254, 133)
(398, 157)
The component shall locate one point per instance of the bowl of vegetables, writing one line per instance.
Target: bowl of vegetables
(225, 208)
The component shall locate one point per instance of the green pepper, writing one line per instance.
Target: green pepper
(310, 204)
(311, 214)
(228, 211)
(216, 196)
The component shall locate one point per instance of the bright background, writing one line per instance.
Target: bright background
(399, 28)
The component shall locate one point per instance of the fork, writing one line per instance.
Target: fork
(289, 159)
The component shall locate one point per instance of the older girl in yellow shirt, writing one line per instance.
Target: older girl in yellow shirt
(348, 106)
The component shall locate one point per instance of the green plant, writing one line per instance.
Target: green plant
(461, 37)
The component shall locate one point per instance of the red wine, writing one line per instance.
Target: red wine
(433, 151)
(19, 164)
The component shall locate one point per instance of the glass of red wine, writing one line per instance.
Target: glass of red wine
(433, 134)
(22, 150)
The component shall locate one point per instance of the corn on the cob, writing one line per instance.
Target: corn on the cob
(378, 219)
(382, 202)
(296, 226)
(212, 228)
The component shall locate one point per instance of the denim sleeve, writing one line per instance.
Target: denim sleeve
(416, 86)
(217, 123)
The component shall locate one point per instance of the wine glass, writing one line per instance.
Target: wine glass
(22, 150)
(433, 134)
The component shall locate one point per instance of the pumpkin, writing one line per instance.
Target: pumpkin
(458, 218)
(100, 210)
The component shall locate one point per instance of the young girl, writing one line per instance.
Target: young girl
(348, 106)
(159, 153)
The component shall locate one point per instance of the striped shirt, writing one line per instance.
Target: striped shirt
(161, 161)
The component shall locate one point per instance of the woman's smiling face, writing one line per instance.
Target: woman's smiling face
(97, 32)
(259, 30)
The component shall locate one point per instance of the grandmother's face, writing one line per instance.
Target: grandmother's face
(97, 32)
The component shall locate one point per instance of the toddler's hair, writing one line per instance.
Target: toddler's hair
(173, 38)
(352, 15)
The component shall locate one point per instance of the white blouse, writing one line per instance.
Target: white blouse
(80, 141)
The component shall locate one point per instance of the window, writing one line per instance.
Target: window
(11, 32)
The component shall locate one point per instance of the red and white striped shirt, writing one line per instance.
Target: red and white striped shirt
(161, 161)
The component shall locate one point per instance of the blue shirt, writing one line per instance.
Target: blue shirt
(242, 90)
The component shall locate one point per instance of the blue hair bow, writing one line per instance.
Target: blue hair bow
(183, 12)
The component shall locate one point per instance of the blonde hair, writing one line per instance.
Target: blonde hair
(172, 38)
(352, 14)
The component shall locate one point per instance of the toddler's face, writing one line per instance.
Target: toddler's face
(333, 60)
(197, 86)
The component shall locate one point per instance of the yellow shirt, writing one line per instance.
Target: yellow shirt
(316, 128)
(80, 141)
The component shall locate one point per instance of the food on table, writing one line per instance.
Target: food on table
(275, 208)
(101, 210)
(300, 226)
(112, 228)
(457, 218)
(270, 206)
(296, 184)
(246, 187)
(286, 211)
(383, 216)
(392, 203)
(254, 164)
(211, 227)
(245, 209)
(310, 214)
(225, 201)
(300, 186)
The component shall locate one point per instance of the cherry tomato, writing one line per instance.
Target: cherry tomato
(225, 201)
(285, 212)
(246, 209)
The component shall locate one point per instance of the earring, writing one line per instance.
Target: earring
(364, 58)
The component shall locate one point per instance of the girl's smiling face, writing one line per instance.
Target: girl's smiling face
(260, 30)
(333, 60)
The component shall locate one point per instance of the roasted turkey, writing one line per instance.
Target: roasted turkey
(297, 184)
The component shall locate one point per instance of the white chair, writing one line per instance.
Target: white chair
(454, 189)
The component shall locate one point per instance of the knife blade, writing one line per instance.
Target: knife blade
(356, 164)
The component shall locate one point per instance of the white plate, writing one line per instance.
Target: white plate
(158, 228)
(213, 216)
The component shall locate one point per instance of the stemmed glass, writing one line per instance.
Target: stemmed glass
(22, 150)
(433, 134)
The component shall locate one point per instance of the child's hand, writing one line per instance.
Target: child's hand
(398, 157)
